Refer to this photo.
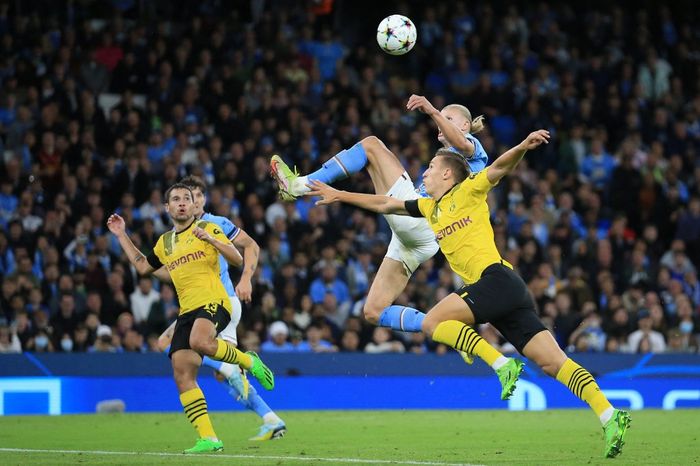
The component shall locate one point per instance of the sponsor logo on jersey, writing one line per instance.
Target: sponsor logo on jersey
(193, 256)
(455, 226)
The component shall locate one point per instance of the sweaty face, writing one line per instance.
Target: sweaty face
(180, 205)
(456, 118)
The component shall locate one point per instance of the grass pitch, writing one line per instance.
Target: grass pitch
(353, 437)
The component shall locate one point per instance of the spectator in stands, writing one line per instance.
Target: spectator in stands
(278, 339)
(142, 300)
(644, 339)
(103, 342)
(382, 342)
(315, 342)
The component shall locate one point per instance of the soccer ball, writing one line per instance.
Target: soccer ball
(396, 35)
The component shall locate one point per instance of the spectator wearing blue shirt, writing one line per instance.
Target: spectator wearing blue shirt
(597, 167)
(278, 339)
(329, 282)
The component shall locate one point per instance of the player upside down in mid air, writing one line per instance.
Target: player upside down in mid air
(239, 388)
(459, 216)
(412, 240)
(190, 252)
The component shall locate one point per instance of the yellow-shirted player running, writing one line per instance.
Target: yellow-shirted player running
(459, 216)
(190, 252)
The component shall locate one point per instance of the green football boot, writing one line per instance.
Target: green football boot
(286, 179)
(614, 432)
(508, 374)
(261, 372)
(205, 445)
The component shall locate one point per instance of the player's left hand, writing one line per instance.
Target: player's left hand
(328, 195)
(535, 139)
(201, 234)
(420, 103)
(244, 290)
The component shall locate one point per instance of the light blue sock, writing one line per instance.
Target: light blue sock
(214, 364)
(401, 318)
(344, 164)
(254, 401)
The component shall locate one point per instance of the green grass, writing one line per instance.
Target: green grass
(475, 437)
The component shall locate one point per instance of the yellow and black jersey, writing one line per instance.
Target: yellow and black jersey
(193, 265)
(462, 226)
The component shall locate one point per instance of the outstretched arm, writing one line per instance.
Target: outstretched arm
(373, 202)
(117, 226)
(510, 159)
(227, 250)
(449, 130)
(251, 253)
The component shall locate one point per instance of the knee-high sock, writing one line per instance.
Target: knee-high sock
(583, 385)
(401, 318)
(462, 337)
(214, 364)
(226, 352)
(342, 165)
(196, 411)
(254, 403)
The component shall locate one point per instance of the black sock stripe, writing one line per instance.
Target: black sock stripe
(197, 417)
(475, 338)
(584, 385)
(193, 407)
(581, 378)
(198, 400)
(459, 342)
(196, 413)
(574, 377)
(581, 384)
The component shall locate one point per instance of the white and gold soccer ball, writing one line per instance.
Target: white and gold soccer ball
(396, 34)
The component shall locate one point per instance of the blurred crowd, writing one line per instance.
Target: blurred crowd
(103, 105)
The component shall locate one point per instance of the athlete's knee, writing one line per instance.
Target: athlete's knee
(202, 345)
(372, 312)
(429, 325)
(371, 145)
(163, 343)
(551, 364)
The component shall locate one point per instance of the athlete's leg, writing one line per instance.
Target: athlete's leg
(389, 282)
(185, 366)
(449, 322)
(382, 165)
(203, 340)
(166, 337)
(544, 351)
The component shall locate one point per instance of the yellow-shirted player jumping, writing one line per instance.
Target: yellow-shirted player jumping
(190, 252)
(459, 216)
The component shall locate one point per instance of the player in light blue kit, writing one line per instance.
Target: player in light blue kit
(412, 241)
(239, 388)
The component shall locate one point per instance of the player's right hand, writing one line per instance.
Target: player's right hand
(116, 224)
(328, 194)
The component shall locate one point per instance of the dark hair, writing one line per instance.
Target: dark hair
(194, 182)
(177, 186)
(455, 162)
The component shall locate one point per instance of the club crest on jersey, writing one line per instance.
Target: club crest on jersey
(454, 226)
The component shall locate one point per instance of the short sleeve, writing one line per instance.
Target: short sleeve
(426, 205)
(478, 183)
(216, 232)
(156, 258)
(230, 228)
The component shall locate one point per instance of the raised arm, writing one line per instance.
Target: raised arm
(251, 253)
(510, 159)
(373, 202)
(449, 130)
(228, 250)
(118, 228)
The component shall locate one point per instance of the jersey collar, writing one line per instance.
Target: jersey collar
(451, 190)
(186, 228)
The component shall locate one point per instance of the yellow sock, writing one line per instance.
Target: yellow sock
(583, 385)
(226, 352)
(463, 338)
(196, 411)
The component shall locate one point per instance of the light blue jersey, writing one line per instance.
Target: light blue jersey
(231, 231)
(476, 162)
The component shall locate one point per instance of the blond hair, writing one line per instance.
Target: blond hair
(476, 125)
